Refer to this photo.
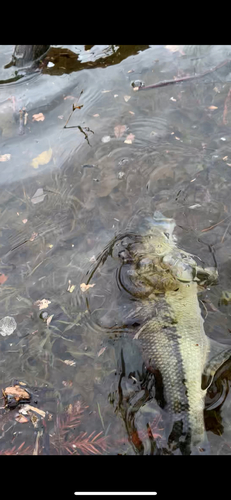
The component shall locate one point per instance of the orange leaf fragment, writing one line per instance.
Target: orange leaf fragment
(85, 287)
(17, 392)
(129, 139)
(21, 419)
(38, 118)
(3, 278)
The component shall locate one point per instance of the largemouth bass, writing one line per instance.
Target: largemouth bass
(183, 360)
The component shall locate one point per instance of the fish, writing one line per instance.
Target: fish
(181, 358)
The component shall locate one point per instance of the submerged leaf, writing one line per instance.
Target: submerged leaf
(3, 278)
(129, 139)
(38, 196)
(127, 97)
(85, 287)
(5, 157)
(42, 159)
(39, 117)
(42, 304)
(119, 130)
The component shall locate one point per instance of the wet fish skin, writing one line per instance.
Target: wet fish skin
(173, 340)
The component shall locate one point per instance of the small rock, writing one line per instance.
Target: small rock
(7, 325)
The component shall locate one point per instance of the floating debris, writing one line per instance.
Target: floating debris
(85, 287)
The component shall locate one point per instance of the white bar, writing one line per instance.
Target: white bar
(115, 493)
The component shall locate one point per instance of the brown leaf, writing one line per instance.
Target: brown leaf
(3, 278)
(39, 117)
(119, 130)
(85, 287)
(212, 107)
(225, 158)
(42, 304)
(5, 157)
(17, 392)
(42, 159)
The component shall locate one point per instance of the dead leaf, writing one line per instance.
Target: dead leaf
(17, 392)
(21, 419)
(135, 89)
(69, 362)
(3, 278)
(38, 196)
(229, 164)
(104, 91)
(24, 221)
(127, 97)
(131, 112)
(49, 319)
(69, 97)
(5, 157)
(42, 159)
(96, 115)
(60, 117)
(39, 117)
(177, 138)
(212, 107)
(42, 304)
(101, 351)
(33, 236)
(40, 412)
(85, 287)
(217, 90)
(172, 99)
(119, 130)
(129, 139)
(225, 158)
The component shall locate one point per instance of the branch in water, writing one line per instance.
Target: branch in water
(184, 78)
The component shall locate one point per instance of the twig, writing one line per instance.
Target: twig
(184, 78)
(223, 237)
(73, 109)
(226, 107)
(211, 227)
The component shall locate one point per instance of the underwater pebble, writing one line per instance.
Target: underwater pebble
(106, 138)
(7, 325)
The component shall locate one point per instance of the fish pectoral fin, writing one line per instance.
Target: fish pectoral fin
(220, 354)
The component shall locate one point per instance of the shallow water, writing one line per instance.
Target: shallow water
(95, 186)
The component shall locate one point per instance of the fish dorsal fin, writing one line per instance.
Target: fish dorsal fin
(219, 353)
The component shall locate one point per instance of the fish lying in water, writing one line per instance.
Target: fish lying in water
(175, 348)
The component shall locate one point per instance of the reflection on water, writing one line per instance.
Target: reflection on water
(177, 160)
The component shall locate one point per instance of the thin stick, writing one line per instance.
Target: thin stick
(184, 78)
(211, 227)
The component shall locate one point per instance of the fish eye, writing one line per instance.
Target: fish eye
(167, 235)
